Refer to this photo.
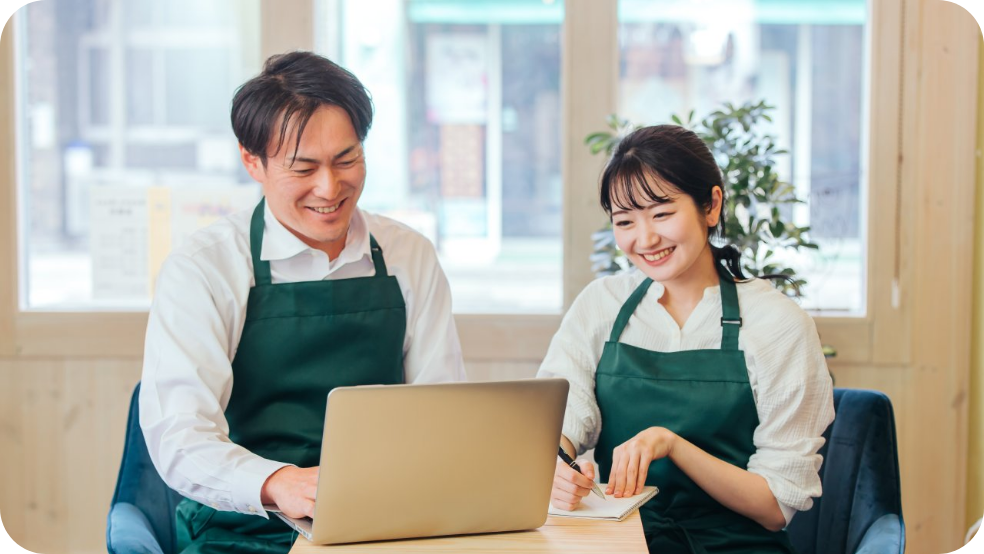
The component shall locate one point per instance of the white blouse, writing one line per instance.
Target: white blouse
(786, 369)
(197, 319)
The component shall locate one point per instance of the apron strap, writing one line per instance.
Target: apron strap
(730, 311)
(628, 308)
(261, 268)
(377, 257)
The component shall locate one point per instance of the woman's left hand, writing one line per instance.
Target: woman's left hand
(631, 459)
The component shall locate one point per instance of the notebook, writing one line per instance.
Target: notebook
(404, 461)
(616, 509)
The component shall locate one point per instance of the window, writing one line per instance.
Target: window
(465, 145)
(125, 142)
(125, 146)
(804, 58)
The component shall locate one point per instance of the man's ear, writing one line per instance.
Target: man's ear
(714, 211)
(253, 164)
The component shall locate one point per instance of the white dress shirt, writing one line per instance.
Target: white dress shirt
(197, 319)
(786, 369)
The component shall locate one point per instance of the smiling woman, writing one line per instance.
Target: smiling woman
(664, 193)
(713, 387)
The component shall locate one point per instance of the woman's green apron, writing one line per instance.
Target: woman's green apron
(701, 395)
(300, 341)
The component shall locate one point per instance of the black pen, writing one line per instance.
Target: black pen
(567, 460)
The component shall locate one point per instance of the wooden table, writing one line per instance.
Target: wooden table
(560, 534)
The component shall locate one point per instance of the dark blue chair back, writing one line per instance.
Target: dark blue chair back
(141, 515)
(861, 506)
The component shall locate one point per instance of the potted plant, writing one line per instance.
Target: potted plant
(755, 219)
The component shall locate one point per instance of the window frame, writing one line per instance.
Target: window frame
(588, 95)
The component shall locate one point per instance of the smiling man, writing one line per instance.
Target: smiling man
(256, 318)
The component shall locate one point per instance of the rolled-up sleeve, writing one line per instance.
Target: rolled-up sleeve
(573, 355)
(794, 399)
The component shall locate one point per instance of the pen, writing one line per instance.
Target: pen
(569, 461)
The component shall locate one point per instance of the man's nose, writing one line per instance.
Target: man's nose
(326, 184)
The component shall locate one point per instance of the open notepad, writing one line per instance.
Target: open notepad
(592, 507)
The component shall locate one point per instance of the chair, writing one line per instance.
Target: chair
(861, 507)
(141, 515)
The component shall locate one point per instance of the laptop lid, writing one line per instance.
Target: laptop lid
(405, 461)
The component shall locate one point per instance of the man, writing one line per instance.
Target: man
(256, 318)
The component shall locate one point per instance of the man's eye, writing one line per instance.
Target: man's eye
(622, 223)
(304, 171)
(347, 163)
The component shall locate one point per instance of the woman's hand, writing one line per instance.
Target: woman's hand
(569, 486)
(292, 489)
(631, 459)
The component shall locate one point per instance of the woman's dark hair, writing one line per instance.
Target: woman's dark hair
(293, 86)
(677, 157)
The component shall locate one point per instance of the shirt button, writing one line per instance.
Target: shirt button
(252, 510)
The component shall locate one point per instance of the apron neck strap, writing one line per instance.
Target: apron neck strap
(730, 311)
(377, 257)
(628, 308)
(261, 268)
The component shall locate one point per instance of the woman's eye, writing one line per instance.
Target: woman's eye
(622, 223)
(662, 215)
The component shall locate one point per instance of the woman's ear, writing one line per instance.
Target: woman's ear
(714, 211)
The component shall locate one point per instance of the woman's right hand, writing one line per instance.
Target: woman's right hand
(569, 486)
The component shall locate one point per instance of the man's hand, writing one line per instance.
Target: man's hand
(569, 486)
(631, 459)
(292, 489)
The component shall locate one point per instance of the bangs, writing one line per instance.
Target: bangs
(295, 119)
(636, 187)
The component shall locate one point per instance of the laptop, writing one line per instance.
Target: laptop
(407, 461)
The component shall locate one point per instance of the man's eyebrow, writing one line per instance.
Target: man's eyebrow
(305, 159)
(344, 153)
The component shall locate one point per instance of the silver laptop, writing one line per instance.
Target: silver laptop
(405, 461)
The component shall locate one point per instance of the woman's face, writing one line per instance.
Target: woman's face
(665, 240)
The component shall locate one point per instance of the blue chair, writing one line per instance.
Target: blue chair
(141, 515)
(861, 507)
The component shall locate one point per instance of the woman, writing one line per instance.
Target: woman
(684, 374)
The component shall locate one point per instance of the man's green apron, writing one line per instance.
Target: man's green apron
(300, 341)
(701, 395)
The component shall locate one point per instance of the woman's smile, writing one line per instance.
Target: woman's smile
(657, 258)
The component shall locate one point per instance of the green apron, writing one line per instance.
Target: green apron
(701, 395)
(299, 341)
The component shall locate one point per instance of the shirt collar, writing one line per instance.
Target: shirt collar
(280, 244)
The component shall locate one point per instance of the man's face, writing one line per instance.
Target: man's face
(313, 191)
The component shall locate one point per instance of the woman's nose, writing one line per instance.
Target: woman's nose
(648, 238)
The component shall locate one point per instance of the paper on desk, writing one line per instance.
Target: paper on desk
(592, 507)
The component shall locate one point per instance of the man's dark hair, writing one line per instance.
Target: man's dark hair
(289, 90)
